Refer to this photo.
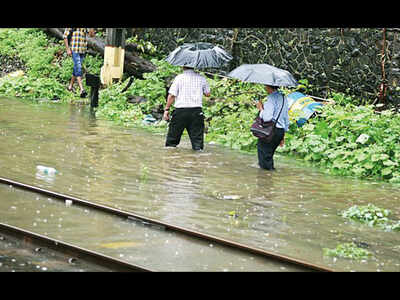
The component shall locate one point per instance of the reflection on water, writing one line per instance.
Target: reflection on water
(114, 236)
(293, 211)
(20, 256)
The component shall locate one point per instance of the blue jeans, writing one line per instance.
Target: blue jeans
(78, 60)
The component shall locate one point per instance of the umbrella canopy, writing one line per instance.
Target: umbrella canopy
(198, 55)
(264, 74)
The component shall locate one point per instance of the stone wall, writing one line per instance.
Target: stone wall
(347, 60)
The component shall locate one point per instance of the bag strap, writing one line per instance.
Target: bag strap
(283, 103)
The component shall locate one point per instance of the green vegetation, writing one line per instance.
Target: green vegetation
(372, 216)
(343, 139)
(350, 140)
(348, 250)
(48, 67)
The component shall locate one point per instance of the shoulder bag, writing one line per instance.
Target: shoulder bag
(265, 130)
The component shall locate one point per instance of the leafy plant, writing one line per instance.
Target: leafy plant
(348, 250)
(372, 216)
(143, 45)
(350, 140)
(48, 67)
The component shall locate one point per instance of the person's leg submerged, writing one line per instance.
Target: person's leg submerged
(265, 155)
(266, 151)
(175, 130)
(195, 129)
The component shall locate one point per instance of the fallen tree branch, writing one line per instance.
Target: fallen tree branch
(133, 65)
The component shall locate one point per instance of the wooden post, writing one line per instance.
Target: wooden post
(114, 55)
(94, 82)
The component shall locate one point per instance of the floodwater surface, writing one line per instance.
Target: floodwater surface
(222, 192)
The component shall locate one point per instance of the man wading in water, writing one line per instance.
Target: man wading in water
(187, 91)
(75, 40)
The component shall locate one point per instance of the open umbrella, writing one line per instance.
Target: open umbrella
(264, 74)
(199, 56)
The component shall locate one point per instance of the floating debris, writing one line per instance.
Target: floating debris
(117, 245)
(231, 197)
(148, 120)
(221, 196)
(233, 214)
(72, 260)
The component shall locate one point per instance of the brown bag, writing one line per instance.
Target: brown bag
(265, 130)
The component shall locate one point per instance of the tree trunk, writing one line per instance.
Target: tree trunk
(133, 64)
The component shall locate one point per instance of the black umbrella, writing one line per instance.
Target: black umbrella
(264, 74)
(199, 56)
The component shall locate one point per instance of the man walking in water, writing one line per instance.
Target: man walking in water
(76, 47)
(187, 92)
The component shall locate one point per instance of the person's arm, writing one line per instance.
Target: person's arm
(282, 143)
(69, 52)
(206, 88)
(259, 105)
(267, 110)
(170, 100)
(66, 33)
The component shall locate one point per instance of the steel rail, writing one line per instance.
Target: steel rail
(70, 249)
(166, 226)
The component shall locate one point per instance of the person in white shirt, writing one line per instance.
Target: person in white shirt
(187, 91)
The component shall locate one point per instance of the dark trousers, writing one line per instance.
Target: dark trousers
(191, 119)
(266, 150)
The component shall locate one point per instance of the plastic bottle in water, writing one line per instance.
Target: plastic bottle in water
(47, 170)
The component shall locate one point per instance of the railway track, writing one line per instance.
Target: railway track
(75, 253)
(123, 266)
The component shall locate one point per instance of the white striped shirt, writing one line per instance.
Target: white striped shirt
(188, 88)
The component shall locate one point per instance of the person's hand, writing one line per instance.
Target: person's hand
(282, 143)
(69, 52)
(166, 115)
(259, 105)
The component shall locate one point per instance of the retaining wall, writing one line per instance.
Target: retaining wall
(347, 60)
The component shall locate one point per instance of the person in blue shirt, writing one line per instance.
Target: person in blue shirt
(268, 111)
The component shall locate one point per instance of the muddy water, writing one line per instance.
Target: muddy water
(293, 211)
(146, 246)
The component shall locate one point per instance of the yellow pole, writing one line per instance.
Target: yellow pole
(114, 55)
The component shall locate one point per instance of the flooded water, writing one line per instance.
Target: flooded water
(293, 211)
(146, 246)
(16, 255)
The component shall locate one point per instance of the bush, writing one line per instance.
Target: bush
(350, 140)
(48, 68)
